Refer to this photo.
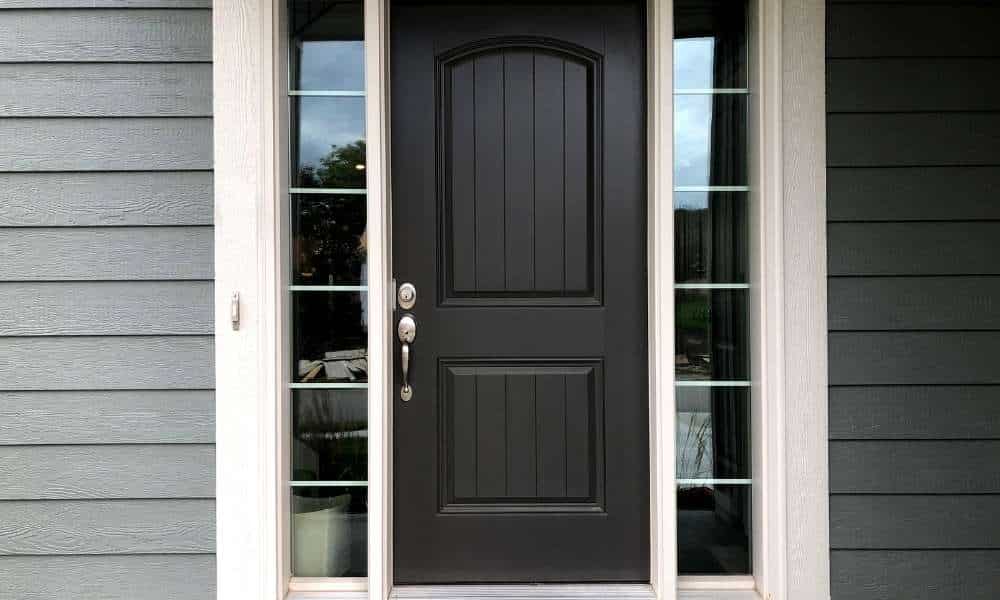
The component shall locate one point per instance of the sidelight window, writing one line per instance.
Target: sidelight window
(328, 290)
(712, 295)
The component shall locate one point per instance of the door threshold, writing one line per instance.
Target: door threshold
(532, 591)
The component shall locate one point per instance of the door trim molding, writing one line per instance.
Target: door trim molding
(251, 430)
(660, 308)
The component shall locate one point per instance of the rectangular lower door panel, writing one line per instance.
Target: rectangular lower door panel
(522, 435)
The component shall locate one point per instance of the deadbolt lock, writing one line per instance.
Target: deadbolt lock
(406, 296)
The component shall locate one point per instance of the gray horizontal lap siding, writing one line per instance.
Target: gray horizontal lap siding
(914, 208)
(107, 419)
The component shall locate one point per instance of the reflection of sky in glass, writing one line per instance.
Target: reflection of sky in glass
(692, 139)
(325, 122)
(332, 66)
(693, 67)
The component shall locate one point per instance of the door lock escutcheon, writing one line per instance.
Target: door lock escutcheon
(406, 296)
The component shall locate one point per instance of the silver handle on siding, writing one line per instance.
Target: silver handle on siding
(407, 331)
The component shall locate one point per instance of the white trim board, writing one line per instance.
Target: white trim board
(790, 475)
(250, 500)
(805, 461)
(660, 306)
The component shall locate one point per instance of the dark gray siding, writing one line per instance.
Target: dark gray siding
(107, 470)
(913, 100)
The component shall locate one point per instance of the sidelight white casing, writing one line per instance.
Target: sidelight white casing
(788, 291)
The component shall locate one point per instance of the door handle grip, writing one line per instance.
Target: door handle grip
(405, 392)
(407, 330)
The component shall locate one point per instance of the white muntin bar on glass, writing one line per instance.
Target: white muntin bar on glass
(708, 383)
(714, 481)
(328, 288)
(711, 286)
(342, 191)
(329, 386)
(328, 93)
(712, 188)
(710, 91)
(328, 483)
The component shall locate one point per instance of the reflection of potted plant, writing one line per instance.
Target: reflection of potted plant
(330, 444)
(321, 543)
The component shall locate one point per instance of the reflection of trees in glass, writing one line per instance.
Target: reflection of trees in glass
(338, 169)
(330, 244)
(691, 228)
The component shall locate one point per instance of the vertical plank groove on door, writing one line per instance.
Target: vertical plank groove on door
(562, 220)
(538, 448)
(551, 403)
(549, 174)
(462, 394)
(521, 436)
(576, 178)
(519, 172)
(489, 173)
(475, 435)
(461, 176)
(503, 162)
(491, 436)
(578, 436)
(506, 431)
(565, 379)
(534, 186)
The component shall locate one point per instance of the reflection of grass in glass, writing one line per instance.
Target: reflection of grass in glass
(697, 440)
(692, 313)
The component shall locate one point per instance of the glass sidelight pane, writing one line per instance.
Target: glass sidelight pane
(327, 279)
(328, 239)
(328, 142)
(713, 529)
(329, 531)
(710, 44)
(710, 146)
(330, 435)
(710, 237)
(712, 335)
(326, 46)
(713, 433)
(330, 337)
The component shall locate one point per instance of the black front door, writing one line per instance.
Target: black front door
(519, 216)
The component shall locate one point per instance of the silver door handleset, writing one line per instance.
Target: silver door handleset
(407, 331)
(406, 298)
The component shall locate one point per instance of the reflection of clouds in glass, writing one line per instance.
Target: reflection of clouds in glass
(692, 139)
(327, 122)
(332, 66)
(693, 63)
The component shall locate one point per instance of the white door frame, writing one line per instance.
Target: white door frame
(789, 289)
